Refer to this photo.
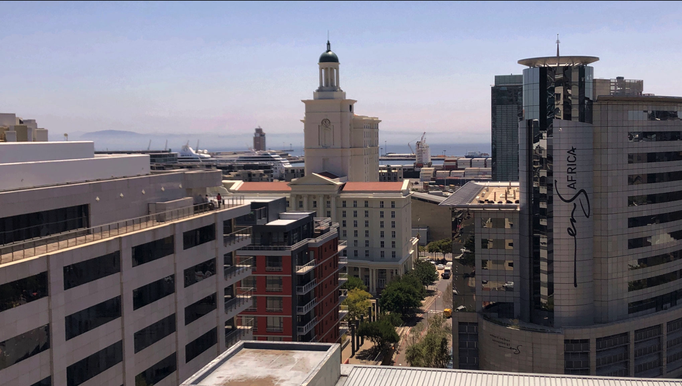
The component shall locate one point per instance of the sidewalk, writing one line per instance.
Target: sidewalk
(399, 354)
(360, 353)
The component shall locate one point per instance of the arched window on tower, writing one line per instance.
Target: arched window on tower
(326, 133)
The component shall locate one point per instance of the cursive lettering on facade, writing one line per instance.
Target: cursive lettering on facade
(580, 197)
(505, 343)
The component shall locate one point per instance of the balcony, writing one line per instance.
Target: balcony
(234, 335)
(343, 277)
(241, 300)
(343, 260)
(243, 265)
(305, 309)
(342, 245)
(305, 268)
(343, 311)
(343, 294)
(302, 330)
(304, 289)
(241, 234)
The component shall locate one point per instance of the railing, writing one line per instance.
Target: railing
(241, 234)
(305, 309)
(243, 264)
(302, 269)
(343, 260)
(342, 245)
(343, 311)
(302, 330)
(302, 290)
(293, 247)
(274, 268)
(52, 243)
(238, 332)
(343, 293)
(243, 296)
(343, 276)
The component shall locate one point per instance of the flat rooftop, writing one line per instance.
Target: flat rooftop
(483, 195)
(255, 363)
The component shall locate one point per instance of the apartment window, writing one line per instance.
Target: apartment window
(273, 284)
(254, 305)
(355, 213)
(366, 204)
(355, 243)
(94, 364)
(275, 324)
(392, 224)
(343, 233)
(366, 214)
(366, 253)
(200, 308)
(355, 204)
(366, 243)
(343, 203)
(366, 232)
(355, 233)
(273, 263)
(24, 346)
(343, 223)
(392, 244)
(249, 282)
(343, 214)
(22, 291)
(329, 213)
(382, 244)
(355, 253)
(329, 204)
(366, 223)
(144, 253)
(393, 254)
(381, 224)
(194, 348)
(314, 204)
(355, 223)
(157, 372)
(45, 223)
(392, 204)
(381, 234)
(198, 236)
(154, 333)
(393, 214)
(381, 204)
(381, 214)
(91, 270)
(199, 272)
(92, 317)
(274, 304)
(44, 382)
(153, 291)
(577, 356)
(300, 204)
(382, 254)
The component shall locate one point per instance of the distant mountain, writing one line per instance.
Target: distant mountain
(109, 133)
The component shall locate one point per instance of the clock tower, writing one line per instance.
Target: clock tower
(336, 140)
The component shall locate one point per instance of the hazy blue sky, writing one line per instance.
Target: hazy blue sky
(221, 69)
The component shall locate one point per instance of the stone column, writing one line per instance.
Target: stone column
(321, 77)
(337, 78)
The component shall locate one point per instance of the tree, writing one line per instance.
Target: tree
(354, 282)
(358, 304)
(433, 247)
(425, 272)
(433, 349)
(402, 295)
(381, 333)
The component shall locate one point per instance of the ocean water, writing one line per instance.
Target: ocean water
(438, 149)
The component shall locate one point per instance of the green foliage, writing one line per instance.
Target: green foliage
(358, 304)
(381, 333)
(402, 295)
(425, 272)
(392, 318)
(433, 349)
(440, 246)
(353, 283)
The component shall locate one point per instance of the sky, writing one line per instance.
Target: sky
(215, 71)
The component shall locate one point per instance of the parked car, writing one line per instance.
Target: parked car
(447, 312)
(440, 267)
(445, 274)
(448, 265)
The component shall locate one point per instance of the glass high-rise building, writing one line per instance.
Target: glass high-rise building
(505, 112)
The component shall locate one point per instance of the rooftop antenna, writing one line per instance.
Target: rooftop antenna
(150, 145)
(329, 46)
(557, 45)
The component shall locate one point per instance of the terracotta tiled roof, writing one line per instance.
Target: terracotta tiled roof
(276, 186)
(373, 187)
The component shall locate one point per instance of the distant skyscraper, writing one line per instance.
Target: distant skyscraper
(336, 140)
(506, 111)
(259, 139)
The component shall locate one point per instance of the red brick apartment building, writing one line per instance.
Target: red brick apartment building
(296, 269)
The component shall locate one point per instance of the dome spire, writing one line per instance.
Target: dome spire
(329, 46)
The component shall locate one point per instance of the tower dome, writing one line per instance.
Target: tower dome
(328, 56)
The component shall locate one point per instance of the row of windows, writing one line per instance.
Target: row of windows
(661, 218)
(94, 364)
(41, 224)
(654, 136)
(661, 302)
(381, 215)
(655, 198)
(153, 291)
(154, 333)
(201, 344)
(613, 355)
(355, 233)
(663, 156)
(577, 356)
(651, 261)
(91, 270)
(382, 253)
(355, 204)
(654, 281)
(497, 223)
(157, 372)
(24, 346)
(22, 291)
(92, 317)
(654, 178)
(497, 244)
(199, 272)
(44, 382)
(144, 253)
(198, 236)
(200, 308)
(647, 241)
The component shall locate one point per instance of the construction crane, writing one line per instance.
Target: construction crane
(421, 140)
